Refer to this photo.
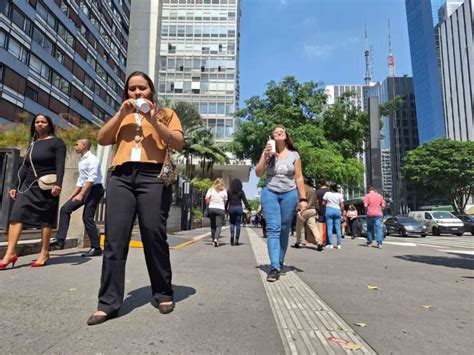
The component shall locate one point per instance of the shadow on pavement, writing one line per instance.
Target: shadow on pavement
(286, 268)
(69, 258)
(141, 296)
(460, 261)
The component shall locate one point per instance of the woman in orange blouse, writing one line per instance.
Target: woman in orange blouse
(141, 132)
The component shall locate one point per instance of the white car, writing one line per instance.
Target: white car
(439, 222)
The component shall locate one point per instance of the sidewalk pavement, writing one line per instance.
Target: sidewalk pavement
(223, 303)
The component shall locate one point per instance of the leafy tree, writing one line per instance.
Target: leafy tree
(198, 141)
(328, 137)
(442, 168)
(254, 203)
(345, 125)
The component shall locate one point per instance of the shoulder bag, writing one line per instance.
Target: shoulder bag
(45, 182)
(168, 170)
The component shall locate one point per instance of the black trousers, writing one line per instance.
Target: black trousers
(90, 202)
(134, 189)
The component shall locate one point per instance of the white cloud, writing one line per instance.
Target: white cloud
(314, 51)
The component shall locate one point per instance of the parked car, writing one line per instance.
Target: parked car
(404, 226)
(468, 220)
(360, 227)
(439, 222)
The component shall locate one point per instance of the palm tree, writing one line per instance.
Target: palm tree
(198, 141)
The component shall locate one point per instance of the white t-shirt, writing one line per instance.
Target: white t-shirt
(217, 199)
(333, 199)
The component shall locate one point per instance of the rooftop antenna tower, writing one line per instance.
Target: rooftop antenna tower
(368, 61)
(391, 58)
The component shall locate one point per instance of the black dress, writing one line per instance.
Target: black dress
(33, 206)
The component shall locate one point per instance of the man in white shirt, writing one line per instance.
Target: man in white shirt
(87, 193)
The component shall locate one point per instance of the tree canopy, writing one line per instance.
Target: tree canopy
(442, 168)
(328, 137)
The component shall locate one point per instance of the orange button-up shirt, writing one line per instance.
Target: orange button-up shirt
(153, 147)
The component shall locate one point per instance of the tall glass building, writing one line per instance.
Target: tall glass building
(426, 72)
(198, 59)
(63, 58)
(400, 130)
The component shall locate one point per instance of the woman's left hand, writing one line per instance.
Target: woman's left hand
(303, 205)
(56, 190)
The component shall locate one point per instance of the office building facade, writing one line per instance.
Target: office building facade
(457, 67)
(403, 131)
(426, 73)
(63, 58)
(191, 49)
(359, 97)
(198, 59)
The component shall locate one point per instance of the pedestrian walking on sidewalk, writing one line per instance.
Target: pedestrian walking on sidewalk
(352, 216)
(87, 193)
(374, 205)
(141, 131)
(334, 203)
(36, 204)
(308, 217)
(279, 198)
(216, 200)
(323, 188)
(235, 198)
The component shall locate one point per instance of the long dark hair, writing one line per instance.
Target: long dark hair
(144, 76)
(51, 130)
(236, 185)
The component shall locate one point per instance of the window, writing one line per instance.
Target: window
(3, 40)
(17, 50)
(65, 35)
(39, 67)
(46, 15)
(21, 21)
(43, 41)
(31, 93)
(61, 83)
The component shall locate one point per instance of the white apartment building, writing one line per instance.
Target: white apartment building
(457, 70)
(191, 49)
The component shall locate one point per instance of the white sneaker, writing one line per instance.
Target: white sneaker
(339, 246)
(329, 246)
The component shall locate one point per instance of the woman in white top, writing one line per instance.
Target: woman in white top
(352, 216)
(216, 200)
(334, 204)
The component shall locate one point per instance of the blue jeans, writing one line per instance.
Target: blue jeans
(377, 221)
(333, 218)
(235, 213)
(278, 210)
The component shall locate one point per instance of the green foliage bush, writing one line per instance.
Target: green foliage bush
(18, 135)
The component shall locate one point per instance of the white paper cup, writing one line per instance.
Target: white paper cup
(141, 105)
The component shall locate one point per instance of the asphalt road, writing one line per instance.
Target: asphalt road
(424, 301)
(423, 304)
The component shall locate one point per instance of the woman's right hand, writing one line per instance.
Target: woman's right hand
(127, 107)
(12, 194)
(267, 151)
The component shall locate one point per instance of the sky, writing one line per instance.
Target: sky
(317, 40)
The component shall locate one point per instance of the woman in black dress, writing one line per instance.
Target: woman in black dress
(35, 207)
